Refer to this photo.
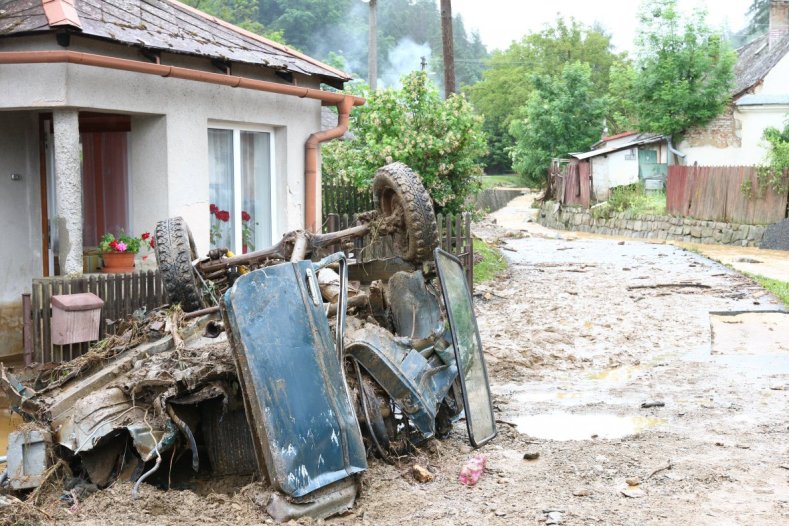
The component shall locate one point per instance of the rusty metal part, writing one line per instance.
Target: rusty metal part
(201, 312)
(360, 300)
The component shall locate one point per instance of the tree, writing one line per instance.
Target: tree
(684, 70)
(621, 115)
(507, 82)
(243, 13)
(562, 115)
(440, 139)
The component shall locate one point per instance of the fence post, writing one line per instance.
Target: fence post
(26, 327)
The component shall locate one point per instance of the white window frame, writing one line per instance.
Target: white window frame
(237, 128)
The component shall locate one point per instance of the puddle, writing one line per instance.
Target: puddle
(616, 375)
(564, 426)
(749, 332)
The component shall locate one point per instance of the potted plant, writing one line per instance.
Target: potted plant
(118, 253)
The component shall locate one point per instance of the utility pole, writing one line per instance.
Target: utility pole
(449, 53)
(423, 63)
(372, 47)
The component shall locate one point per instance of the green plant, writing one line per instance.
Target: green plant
(561, 116)
(488, 262)
(632, 198)
(779, 288)
(124, 243)
(441, 140)
(684, 69)
(773, 173)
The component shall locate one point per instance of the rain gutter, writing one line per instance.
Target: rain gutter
(343, 102)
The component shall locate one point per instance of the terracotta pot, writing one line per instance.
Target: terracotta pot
(117, 262)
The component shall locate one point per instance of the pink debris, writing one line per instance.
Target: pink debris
(472, 470)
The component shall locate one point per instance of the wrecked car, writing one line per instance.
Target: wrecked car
(314, 377)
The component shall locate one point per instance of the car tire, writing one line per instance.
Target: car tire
(396, 186)
(175, 251)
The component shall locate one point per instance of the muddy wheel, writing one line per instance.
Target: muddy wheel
(399, 194)
(175, 251)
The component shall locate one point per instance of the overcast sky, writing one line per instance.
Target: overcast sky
(499, 22)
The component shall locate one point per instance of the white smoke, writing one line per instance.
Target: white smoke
(404, 58)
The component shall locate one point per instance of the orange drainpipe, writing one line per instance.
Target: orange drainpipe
(311, 161)
(343, 102)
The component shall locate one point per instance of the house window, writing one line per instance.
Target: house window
(241, 182)
(630, 155)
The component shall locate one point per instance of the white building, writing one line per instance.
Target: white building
(116, 114)
(760, 99)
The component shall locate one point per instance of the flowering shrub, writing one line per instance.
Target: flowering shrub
(124, 243)
(442, 140)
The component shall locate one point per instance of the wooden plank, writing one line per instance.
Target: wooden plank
(46, 316)
(38, 347)
(117, 285)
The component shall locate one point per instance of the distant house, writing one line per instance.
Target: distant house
(115, 114)
(624, 159)
(760, 99)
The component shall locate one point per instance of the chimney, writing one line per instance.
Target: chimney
(779, 20)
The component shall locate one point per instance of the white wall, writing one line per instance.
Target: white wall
(168, 142)
(168, 154)
(753, 120)
(613, 170)
(20, 217)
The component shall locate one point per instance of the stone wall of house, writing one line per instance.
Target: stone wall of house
(660, 228)
(722, 132)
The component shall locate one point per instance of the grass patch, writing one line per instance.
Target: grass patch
(779, 288)
(506, 181)
(635, 199)
(488, 262)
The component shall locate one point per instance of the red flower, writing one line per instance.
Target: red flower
(245, 215)
(223, 215)
(145, 235)
(114, 244)
(213, 208)
(151, 243)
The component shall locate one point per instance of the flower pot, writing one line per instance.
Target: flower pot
(117, 262)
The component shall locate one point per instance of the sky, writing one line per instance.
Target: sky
(499, 22)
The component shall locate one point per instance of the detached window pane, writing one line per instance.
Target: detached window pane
(220, 177)
(256, 190)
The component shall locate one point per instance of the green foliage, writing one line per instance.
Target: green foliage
(779, 288)
(442, 140)
(243, 13)
(621, 115)
(500, 181)
(508, 81)
(562, 115)
(633, 198)
(684, 69)
(773, 174)
(488, 262)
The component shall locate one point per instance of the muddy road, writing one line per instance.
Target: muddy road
(579, 334)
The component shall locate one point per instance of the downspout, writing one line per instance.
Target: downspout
(672, 150)
(344, 108)
(343, 102)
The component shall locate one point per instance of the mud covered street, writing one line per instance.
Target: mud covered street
(578, 334)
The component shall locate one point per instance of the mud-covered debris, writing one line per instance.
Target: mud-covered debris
(531, 455)
(634, 493)
(553, 517)
(582, 492)
(472, 470)
(654, 403)
(633, 481)
(421, 474)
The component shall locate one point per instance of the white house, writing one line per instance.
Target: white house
(116, 114)
(760, 99)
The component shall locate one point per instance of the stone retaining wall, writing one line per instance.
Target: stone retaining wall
(651, 227)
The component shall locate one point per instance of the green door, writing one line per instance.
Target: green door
(648, 167)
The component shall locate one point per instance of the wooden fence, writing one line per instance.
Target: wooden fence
(122, 294)
(343, 198)
(571, 183)
(729, 194)
(454, 232)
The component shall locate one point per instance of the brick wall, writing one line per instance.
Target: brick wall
(722, 132)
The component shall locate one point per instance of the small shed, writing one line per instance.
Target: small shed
(624, 159)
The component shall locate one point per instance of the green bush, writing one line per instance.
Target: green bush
(442, 140)
(634, 198)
